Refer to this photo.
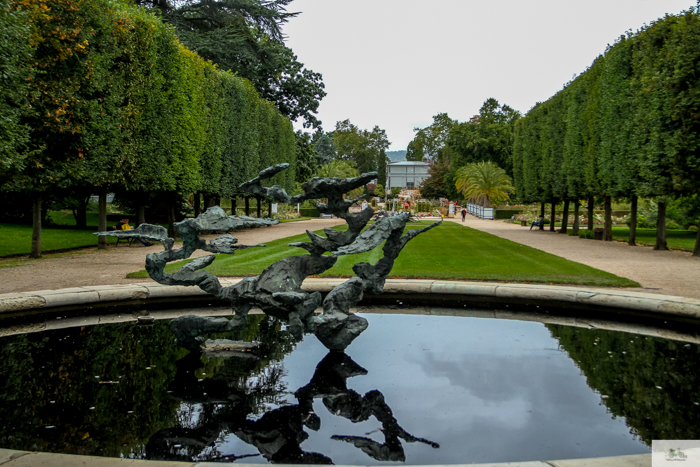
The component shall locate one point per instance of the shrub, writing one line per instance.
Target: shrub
(309, 212)
(572, 233)
(672, 225)
(586, 234)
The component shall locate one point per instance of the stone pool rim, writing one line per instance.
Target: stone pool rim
(653, 305)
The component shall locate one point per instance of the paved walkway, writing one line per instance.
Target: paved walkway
(663, 272)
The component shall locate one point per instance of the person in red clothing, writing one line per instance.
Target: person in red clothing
(464, 214)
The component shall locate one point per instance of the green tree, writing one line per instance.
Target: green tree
(488, 136)
(367, 149)
(325, 148)
(484, 182)
(433, 187)
(245, 36)
(379, 190)
(15, 79)
(339, 169)
(430, 141)
(306, 157)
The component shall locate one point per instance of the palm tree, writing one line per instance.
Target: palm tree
(484, 182)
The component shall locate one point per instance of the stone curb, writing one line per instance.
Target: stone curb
(610, 298)
(11, 458)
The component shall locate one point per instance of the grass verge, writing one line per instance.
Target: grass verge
(676, 239)
(16, 239)
(449, 251)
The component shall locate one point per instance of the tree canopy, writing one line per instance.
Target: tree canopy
(367, 149)
(245, 36)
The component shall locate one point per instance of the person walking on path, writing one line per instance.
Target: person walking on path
(464, 214)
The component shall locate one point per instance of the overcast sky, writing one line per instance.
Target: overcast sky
(396, 63)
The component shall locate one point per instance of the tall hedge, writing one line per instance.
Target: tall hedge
(100, 95)
(629, 125)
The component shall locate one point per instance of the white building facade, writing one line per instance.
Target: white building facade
(406, 174)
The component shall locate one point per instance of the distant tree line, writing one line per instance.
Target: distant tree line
(450, 146)
(364, 150)
(627, 127)
(100, 96)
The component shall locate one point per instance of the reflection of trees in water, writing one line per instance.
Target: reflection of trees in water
(279, 433)
(103, 389)
(651, 382)
(48, 379)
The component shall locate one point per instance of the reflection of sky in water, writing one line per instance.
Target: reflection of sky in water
(486, 390)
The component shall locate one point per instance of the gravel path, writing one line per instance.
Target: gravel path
(110, 266)
(663, 272)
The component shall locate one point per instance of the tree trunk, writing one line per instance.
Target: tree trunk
(607, 232)
(541, 226)
(591, 207)
(632, 241)
(247, 206)
(140, 215)
(551, 223)
(564, 217)
(80, 214)
(259, 210)
(696, 250)
(102, 219)
(576, 216)
(36, 226)
(661, 228)
(197, 204)
(171, 219)
(234, 202)
(209, 201)
(269, 214)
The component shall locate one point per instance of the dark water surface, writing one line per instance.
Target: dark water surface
(411, 389)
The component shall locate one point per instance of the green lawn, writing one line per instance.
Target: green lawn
(16, 239)
(66, 218)
(676, 239)
(449, 251)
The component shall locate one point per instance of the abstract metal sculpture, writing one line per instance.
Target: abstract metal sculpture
(277, 290)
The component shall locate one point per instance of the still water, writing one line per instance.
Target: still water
(411, 389)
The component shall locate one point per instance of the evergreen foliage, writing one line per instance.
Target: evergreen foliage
(628, 126)
(116, 102)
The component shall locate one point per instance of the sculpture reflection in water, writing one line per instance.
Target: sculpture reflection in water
(277, 291)
(279, 433)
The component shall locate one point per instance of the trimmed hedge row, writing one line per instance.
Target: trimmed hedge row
(115, 101)
(629, 125)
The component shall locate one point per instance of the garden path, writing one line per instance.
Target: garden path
(662, 272)
(110, 267)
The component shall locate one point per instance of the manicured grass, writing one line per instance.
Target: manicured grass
(16, 239)
(675, 239)
(449, 251)
(66, 218)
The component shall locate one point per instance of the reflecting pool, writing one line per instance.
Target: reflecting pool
(411, 389)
